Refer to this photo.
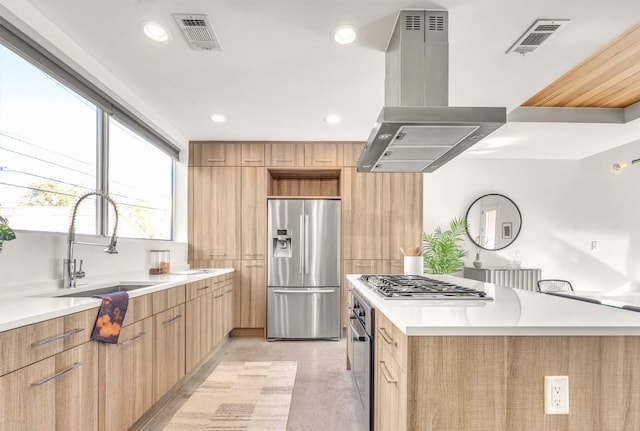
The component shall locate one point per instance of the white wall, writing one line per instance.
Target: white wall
(564, 204)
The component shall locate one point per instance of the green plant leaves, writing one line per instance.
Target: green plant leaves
(443, 251)
(6, 233)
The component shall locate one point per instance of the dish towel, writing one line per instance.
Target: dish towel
(110, 317)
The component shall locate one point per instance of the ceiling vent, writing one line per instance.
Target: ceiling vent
(536, 35)
(198, 32)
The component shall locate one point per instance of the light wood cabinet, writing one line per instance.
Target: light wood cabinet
(199, 330)
(363, 218)
(215, 202)
(352, 151)
(28, 344)
(402, 213)
(228, 308)
(284, 154)
(323, 154)
(391, 393)
(214, 154)
(126, 377)
(168, 350)
(252, 295)
(47, 394)
(254, 213)
(252, 154)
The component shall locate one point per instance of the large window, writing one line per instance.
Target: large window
(50, 154)
(140, 180)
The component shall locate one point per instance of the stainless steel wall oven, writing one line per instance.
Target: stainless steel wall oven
(362, 322)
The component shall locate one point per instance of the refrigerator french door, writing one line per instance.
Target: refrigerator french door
(303, 272)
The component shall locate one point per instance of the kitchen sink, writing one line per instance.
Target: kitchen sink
(121, 287)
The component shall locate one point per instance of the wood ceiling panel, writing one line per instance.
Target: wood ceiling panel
(610, 78)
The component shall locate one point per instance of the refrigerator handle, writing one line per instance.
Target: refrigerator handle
(306, 244)
(302, 240)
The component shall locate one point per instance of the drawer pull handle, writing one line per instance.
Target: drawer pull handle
(57, 337)
(386, 373)
(202, 288)
(284, 160)
(179, 316)
(253, 254)
(56, 375)
(219, 296)
(386, 337)
(220, 281)
(252, 160)
(131, 340)
(217, 254)
(216, 160)
(253, 266)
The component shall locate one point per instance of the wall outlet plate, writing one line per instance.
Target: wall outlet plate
(556, 395)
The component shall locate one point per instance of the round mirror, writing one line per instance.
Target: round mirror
(493, 222)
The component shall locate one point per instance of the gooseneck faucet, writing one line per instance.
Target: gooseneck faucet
(69, 272)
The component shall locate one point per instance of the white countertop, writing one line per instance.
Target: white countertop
(511, 312)
(20, 310)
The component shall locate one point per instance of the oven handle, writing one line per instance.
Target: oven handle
(357, 332)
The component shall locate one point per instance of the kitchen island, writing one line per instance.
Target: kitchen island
(480, 364)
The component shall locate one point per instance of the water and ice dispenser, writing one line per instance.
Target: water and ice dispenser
(281, 243)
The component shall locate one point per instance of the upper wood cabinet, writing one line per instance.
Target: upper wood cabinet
(254, 213)
(402, 210)
(323, 154)
(215, 154)
(215, 201)
(352, 152)
(362, 215)
(284, 154)
(252, 154)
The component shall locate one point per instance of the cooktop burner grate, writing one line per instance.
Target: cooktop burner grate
(419, 287)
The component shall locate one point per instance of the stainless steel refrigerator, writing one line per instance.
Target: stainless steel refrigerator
(303, 275)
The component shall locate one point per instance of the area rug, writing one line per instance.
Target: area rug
(239, 396)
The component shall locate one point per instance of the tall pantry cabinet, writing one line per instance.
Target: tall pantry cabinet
(230, 182)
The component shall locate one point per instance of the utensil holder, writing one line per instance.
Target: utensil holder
(413, 265)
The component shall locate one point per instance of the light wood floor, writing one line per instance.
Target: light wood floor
(324, 396)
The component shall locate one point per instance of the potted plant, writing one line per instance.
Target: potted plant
(6, 233)
(443, 250)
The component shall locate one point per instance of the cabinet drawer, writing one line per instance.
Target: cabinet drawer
(199, 288)
(168, 298)
(139, 308)
(29, 344)
(390, 338)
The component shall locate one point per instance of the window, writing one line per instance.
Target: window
(140, 180)
(47, 149)
(50, 154)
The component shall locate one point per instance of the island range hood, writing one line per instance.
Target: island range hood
(417, 131)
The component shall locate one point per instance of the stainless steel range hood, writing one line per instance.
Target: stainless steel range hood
(417, 131)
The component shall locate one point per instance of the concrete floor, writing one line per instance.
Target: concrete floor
(324, 396)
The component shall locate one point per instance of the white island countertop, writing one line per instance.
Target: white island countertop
(33, 307)
(510, 312)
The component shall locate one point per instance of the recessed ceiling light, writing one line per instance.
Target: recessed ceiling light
(218, 118)
(155, 32)
(332, 119)
(344, 34)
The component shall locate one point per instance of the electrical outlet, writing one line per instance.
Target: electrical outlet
(556, 395)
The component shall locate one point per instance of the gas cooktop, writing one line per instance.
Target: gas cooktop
(419, 287)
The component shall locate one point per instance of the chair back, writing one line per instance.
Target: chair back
(552, 285)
